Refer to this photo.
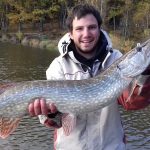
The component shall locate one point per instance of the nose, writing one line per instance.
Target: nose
(86, 32)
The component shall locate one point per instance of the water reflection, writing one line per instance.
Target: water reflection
(137, 128)
(30, 135)
(18, 63)
(23, 63)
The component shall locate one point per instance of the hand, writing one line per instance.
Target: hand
(39, 107)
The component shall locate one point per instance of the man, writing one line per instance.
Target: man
(85, 52)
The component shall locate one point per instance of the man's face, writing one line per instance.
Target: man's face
(85, 34)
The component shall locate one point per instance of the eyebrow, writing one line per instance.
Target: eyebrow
(88, 26)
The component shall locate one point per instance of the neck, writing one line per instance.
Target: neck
(87, 55)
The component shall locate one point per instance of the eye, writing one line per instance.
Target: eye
(92, 27)
(79, 29)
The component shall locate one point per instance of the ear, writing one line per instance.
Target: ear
(71, 36)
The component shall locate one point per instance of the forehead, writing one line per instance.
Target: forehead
(89, 19)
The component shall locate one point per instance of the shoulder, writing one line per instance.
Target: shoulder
(61, 67)
(66, 68)
(54, 70)
(116, 54)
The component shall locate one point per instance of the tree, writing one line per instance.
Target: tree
(115, 12)
(142, 16)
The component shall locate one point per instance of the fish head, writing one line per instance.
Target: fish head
(136, 61)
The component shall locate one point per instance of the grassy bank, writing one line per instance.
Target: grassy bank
(35, 40)
(121, 44)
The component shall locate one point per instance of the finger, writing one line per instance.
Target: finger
(37, 107)
(53, 108)
(44, 109)
(31, 109)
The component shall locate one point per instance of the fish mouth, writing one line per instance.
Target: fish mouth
(135, 63)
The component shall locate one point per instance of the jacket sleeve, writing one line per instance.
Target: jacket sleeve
(137, 96)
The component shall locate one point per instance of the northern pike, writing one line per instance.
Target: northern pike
(73, 96)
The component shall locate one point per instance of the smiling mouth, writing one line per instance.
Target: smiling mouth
(87, 42)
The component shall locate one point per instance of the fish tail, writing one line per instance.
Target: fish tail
(7, 126)
(5, 86)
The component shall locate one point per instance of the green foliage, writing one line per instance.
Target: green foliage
(115, 8)
(115, 12)
(142, 12)
(24, 11)
(123, 15)
(19, 35)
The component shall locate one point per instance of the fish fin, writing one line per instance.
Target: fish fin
(68, 123)
(140, 80)
(132, 87)
(7, 126)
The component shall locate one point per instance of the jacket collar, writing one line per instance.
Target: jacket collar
(66, 40)
(103, 50)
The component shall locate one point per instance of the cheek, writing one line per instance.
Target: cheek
(75, 36)
(96, 36)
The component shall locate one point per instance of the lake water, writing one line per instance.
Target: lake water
(18, 63)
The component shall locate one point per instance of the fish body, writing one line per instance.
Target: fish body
(77, 96)
(69, 97)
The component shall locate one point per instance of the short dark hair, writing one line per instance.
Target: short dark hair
(80, 11)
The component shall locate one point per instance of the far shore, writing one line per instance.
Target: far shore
(35, 40)
(49, 40)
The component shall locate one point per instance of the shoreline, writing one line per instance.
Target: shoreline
(33, 40)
